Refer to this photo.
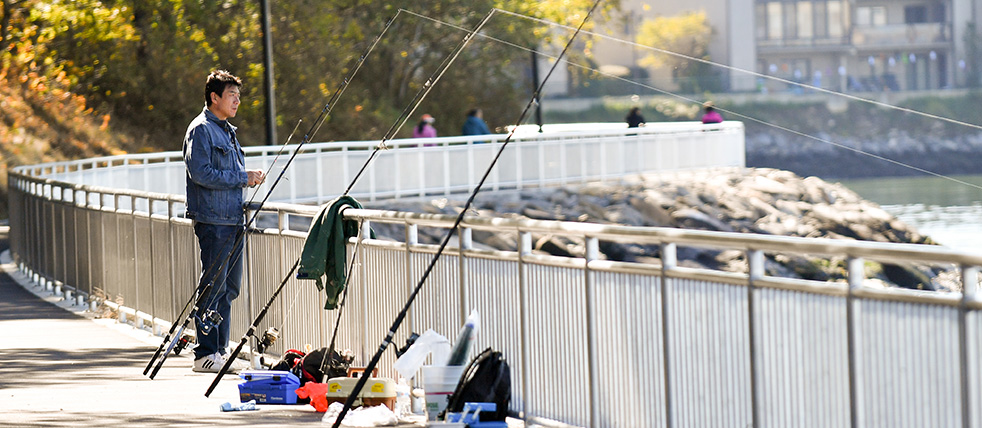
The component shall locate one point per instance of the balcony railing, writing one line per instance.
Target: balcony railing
(907, 35)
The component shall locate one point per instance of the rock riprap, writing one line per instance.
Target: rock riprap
(745, 200)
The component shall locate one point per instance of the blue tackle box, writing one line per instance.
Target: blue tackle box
(269, 386)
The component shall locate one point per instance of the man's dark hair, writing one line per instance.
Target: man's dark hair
(218, 80)
(473, 112)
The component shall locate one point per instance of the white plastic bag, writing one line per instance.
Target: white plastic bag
(430, 342)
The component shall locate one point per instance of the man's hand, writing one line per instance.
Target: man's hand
(256, 177)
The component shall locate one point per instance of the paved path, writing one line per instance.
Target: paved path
(62, 367)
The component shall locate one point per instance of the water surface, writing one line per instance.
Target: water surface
(948, 211)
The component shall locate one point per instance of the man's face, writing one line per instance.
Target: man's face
(225, 106)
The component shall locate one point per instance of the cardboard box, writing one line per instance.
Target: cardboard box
(269, 387)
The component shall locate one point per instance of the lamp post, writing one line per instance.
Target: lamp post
(268, 75)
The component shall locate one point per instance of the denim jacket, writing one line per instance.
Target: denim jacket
(216, 176)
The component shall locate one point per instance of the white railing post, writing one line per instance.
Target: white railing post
(970, 282)
(857, 275)
(669, 260)
(524, 249)
(592, 253)
(466, 243)
(755, 260)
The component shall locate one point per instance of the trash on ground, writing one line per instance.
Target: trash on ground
(376, 416)
(248, 405)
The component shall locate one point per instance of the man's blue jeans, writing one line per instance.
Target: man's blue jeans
(216, 243)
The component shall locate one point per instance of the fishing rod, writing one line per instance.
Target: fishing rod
(332, 102)
(390, 133)
(446, 240)
(180, 341)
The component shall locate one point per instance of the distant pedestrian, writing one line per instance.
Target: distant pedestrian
(634, 118)
(474, 125)
(711, 115)
(425, 128)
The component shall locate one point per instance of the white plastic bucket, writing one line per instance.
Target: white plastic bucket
(438, 383)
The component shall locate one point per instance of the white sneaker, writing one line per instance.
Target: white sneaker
(213, 364)
(209, 363)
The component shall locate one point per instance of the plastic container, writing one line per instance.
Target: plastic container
(377, 390)
(438, 383)
(269, 387)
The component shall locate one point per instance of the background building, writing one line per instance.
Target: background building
(843, 45)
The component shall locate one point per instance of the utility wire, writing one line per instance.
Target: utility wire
(728, 111)
(752, 73)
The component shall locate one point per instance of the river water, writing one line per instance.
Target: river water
(947, 211)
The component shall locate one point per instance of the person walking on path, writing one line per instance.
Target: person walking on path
(474, 125)
(711, 115)
(216, 178)
(425, 128)
(634, 118)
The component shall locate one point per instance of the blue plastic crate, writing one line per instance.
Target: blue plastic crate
(269, 387)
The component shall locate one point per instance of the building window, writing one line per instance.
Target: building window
(805, 20)
(835, 18)
(871, 16)
(760, 9)
(774, 26)
(821, 20)
(789, 21)
(937, 13)
(915, 14)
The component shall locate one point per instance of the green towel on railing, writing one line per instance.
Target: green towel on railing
(324, 252)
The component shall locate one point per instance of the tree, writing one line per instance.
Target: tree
(687, 36)
(144, 61)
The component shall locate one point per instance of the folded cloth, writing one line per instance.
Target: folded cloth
(324, 252)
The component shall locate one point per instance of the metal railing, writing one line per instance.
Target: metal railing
(420, 167)
(591, 342)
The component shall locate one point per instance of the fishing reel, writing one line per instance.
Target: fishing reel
(267, 339)
(409, 342)
(182, 343)
(209, 320)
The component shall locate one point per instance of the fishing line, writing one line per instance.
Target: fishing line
(273, 163)
(419, 286)
(731, 112)
(206, 291)
(420, 95)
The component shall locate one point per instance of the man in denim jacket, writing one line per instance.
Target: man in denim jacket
(216, 178)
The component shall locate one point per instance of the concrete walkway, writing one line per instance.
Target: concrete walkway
(63, 367)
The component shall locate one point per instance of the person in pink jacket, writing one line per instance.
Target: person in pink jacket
(425, 128)
(711, 115)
